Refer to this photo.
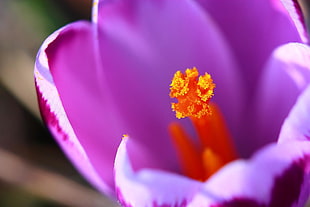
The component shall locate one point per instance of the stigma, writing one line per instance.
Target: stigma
(214, 148)
(192, 92)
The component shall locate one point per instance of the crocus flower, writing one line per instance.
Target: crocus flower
(110, 78)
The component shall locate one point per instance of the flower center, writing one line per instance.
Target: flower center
(215, 149)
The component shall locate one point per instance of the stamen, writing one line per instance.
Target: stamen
(193, 94)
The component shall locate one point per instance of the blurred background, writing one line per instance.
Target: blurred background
(33, 170)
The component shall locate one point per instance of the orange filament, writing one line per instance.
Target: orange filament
(211, 162)
(192, 163)
(199, 161)
(193, 93)
(212, 131)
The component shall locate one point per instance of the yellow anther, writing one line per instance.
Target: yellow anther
(125, 136)
(179, 85)
(193, 93)
(206, 86)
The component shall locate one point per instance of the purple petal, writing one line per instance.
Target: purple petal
(296, 125)
(240, 202)
(278, 175)
(294, 9)
(142, 44)
(55, 117)
(150, 188)
(67, 64)
(285, 76)
(253, 29)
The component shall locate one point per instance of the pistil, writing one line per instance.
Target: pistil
(215, 149)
